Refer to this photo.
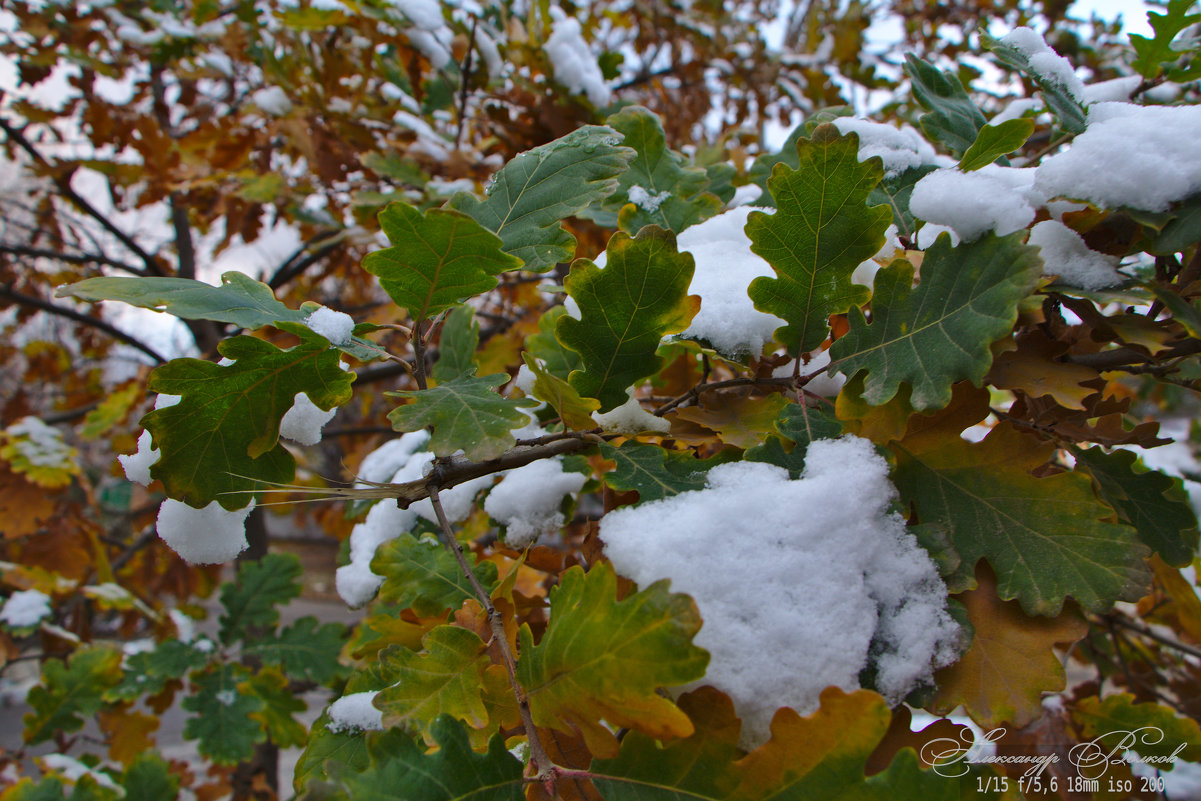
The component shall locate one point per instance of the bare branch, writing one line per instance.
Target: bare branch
(295, 265)
(63, 184)
(69, 258)
(7, 292)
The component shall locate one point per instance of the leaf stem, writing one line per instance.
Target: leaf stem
(695, 393)
(545, 771)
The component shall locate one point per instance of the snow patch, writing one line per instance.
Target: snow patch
(25, 608)
(354, 712)
(1065, 254)
(819, 582)
(335, 326)
(630, 418)
(303, 422)
(527, 501)
(273, 100)
(1000, 199)
(1045, 62)
(205, 536)
(646, 200)
(572, 61)
(899, 148)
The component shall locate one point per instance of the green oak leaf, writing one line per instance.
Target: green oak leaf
(1159, 733)
(423, 575)
(939, 333)
(675, 195)
(222, 724)
(601, 659)
(305, 650)
(437, 259)
(1046, 538)
(655, 472)
(465, 413)
(51, 788)
(822, 230)
(995, 141)
(532, 194)
(280, 703)
(401, 770)
(251, 604)
(239, 299)
(1067, 109)
(457, 344)
(70, 694)
(625, 310)
(149, 778)
(1179, 232)
(952, 118)
(222, 438)
(1153, 503)
(895, 191)
(148, 672)
(446, 677)
(545, 346)
(1154, 52)
(328, 753)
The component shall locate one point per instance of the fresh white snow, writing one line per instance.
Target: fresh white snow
(205, 536)
(303, 422)
(25, 608)
(818, 582)
(354, 712)
(572, 61)
(335, 326)
(527, 500)
(1066, 255)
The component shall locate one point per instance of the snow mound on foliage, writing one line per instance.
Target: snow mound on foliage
(572, 61)
(1065, 254)
(993, 198)
(205, 536)
(354, 712)
(630, 418)
(397, 461)
(725, 267)
(527, 501)
(801, 584)
(303, 422)
(25, 608)
(899, 149)
(1045, 62)
(137, 465)
(1146, 157)
(336, 326)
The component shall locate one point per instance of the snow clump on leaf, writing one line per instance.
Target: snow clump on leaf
(25, 608)
(303, 422)
(572, 61)
(801, 584)
(335, 326)
(205, 536)
(527, 501)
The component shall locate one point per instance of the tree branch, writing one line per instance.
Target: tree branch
(291, 268)
(63, 184)
(695, 393)
(69, 258)
(11, 294)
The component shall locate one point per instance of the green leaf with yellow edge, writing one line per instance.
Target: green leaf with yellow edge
(821, 231)
(148, 672)
(1154, 52)
(280, 702)
(423, 575)
(437, 259)
(70, 694)
(532, 194)
(939, 333)
(1153, 503)
(457, 343)
(659, 188)
(446, 677)
(801, 424)
(1047, 538)
(222, 438)
(399, 769)
(1011, 662)
(39, 452)
(466, 414)
(574, 411)
(224, 725)
(601, 659)
(1154, 731)
(701, 766)
(656, 472)
(995, 141)
(625, 310)
(546, 347)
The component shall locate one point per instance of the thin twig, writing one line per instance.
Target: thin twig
(11, 294)
(1147, 632)
(544, 769)
(695, 393)
(64, 187)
